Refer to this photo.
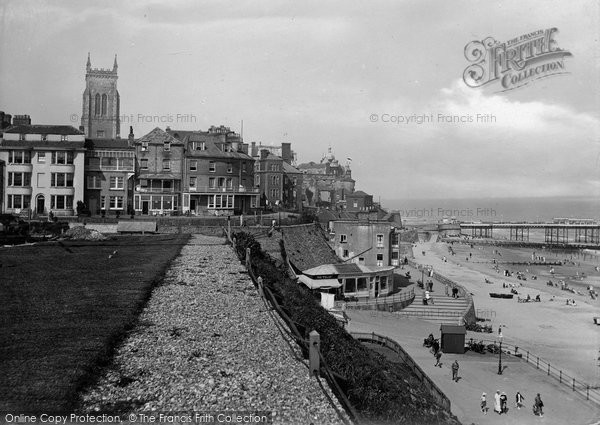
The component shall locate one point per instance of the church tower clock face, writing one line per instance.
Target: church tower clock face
(101, 102)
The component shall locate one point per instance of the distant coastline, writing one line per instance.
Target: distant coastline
(495, 209)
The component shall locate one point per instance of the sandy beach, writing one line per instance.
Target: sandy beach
(562, 334)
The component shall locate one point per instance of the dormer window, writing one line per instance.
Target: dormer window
(21, 137)
(44, 137)
(167, 146)
(144, 146)
(64, 138)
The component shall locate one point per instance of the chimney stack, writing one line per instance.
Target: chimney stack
(130, 138)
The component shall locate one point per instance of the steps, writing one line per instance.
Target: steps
(444, 309)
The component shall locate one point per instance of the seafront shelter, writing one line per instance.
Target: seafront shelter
(351, 280)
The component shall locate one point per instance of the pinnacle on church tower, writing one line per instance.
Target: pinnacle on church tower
(88, 66)
(115, 66)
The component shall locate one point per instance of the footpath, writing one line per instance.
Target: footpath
(206, 343)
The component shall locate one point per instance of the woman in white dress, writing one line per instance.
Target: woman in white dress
(497, 402)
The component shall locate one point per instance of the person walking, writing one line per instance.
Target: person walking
(538, 405)
(503, 403)
(497, 402)
(519, 400)
(455, 371)
(438, 356)
(483, 404)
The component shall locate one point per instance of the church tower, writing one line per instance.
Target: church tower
(101, 103)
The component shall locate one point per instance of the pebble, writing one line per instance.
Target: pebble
(206, 343)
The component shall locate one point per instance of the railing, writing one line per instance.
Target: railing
(468, 314)
(390, 303)
(431, 387)
(591, 393)
(231, 189)
(300, 338)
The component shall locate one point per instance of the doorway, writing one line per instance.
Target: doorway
(40, 205)
(193, 205)
(145, 207)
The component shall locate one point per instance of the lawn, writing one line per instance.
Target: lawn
(63, 308)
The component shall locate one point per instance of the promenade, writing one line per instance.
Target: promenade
(542, 328)
(478, 373)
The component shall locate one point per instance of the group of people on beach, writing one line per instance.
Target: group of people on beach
(501, 403)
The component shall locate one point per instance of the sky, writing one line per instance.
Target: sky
(336, 74)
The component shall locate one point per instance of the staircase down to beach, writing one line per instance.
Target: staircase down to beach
(444, 309)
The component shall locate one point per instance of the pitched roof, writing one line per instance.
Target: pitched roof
(357, 194)
(158, 136)
(307, 247)
(290, 169)
(107, 144)
(43, 129)
(33, 144)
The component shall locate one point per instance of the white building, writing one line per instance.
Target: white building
(43, 171)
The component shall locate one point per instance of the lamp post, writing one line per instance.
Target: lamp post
(500, 354)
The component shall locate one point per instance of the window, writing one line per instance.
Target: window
(97, 104)
(61, 179)
(19, 157)
(345, 254)
(355, 204)
(211, 166)
(61, 202)
(361, 260)
(21, 137)
(220, 201)
(395, 239)
(343, 239)
(361, 284)
(103, 202)
(61, 157)
(41, 179)
(167, 146)
(100, 134)
(199, 146)
(243, 167)
(229, 183)
(94, 182)
(229, 167)
(221, 182)
(116, 203)
(116, 182)
(108, 163)
(274, 167)
(193, 165)
(395, 258)
(350, 285)
(19, 179)
(104, 101)
(64, 138)
(383, 283)
(274, 180)
(144, 146)
(274, 193)
(256, 180)
(166, 164)
(167, 185)
(211, 182)
(41, 157)
(380, 259)
(192, 182)
(379, 239)
(144, 164)
(19, 201)
(253, 202)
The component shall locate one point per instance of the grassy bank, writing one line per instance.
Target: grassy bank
(380, 391)
(65, 306)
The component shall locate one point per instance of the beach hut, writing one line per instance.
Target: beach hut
(453, 338)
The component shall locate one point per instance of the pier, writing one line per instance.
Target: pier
(554, 233)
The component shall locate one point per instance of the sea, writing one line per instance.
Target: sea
(537, 209)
